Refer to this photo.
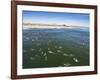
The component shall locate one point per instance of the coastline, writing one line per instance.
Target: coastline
(50, 26)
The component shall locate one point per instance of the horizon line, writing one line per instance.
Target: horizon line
(53, 24)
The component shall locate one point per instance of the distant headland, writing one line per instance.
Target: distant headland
(42, 25)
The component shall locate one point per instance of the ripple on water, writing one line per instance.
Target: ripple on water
(40, 49)
(45, 58)
(49, 41)
(58, 51)
(60, 47)
(27, 38)
(48, 48)
(24, 51)
(65, 54)
(71, 55)
(32, 49)
(44, 54)
(38, 44)
(66, 64)
(50, 51)
(76, 60)
(36, 55)
(33, 40)
(32, 58)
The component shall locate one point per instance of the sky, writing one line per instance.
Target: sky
(78, 19)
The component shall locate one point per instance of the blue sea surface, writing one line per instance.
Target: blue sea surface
(55, 47)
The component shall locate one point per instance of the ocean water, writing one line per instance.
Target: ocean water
(63, 47)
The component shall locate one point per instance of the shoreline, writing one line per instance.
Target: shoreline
(53, 27)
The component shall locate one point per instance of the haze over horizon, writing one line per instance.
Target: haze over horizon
(56, 18)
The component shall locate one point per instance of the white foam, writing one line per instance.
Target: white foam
(76, 60)
(50, 51)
